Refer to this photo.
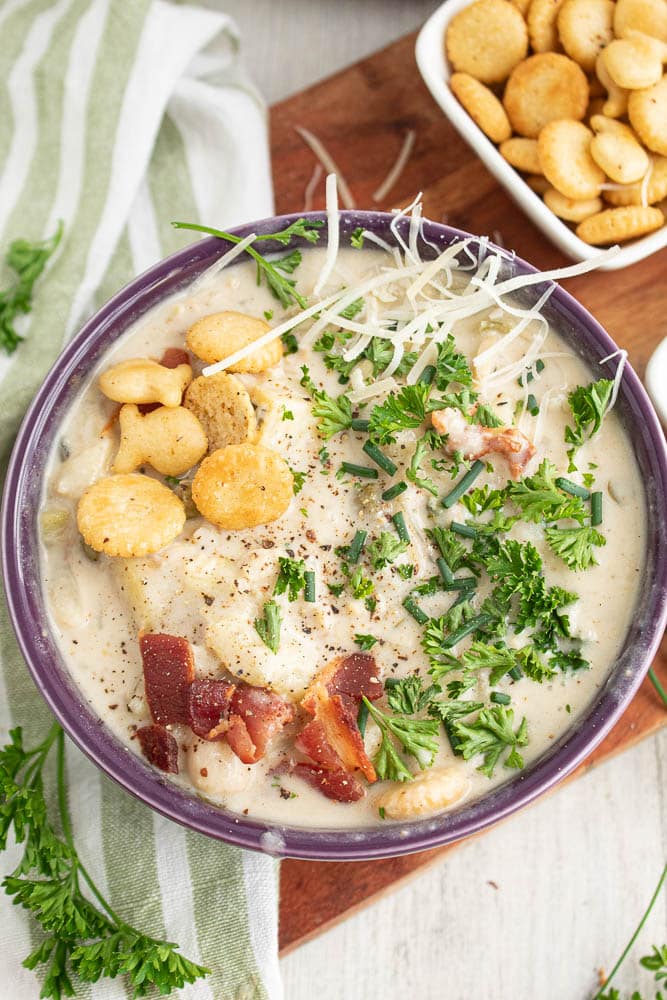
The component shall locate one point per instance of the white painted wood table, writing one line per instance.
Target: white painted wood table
(533, 909)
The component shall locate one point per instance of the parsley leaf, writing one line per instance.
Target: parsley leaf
(452, 549)
(575, 545)
(289, 343)
(365, 642)
(416, 737)
(400, 411)
(299, 479)
(539, 499)
(27, 260)
(80, 937)
(491, 734)
(357, 238)
(385, 550)
(413, 472)
(589, 405)
(291, 577)
(570, 660)
(268, 626)
(483, 498)
(334, 415)
(354, 308)
(451, 366)
(408, 696)
(361, 586)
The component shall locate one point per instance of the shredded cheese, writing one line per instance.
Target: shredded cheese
(329, 164)
(333, 235)
(622, 361)
(222, 262)
(397, 169)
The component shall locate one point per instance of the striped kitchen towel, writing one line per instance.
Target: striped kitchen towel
(117, 116)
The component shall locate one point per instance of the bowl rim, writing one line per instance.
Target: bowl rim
(435, 71)
(167, 798)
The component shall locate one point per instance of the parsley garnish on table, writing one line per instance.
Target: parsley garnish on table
(81, 937)
(27, 260)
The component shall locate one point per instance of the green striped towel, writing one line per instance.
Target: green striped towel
(117, 116)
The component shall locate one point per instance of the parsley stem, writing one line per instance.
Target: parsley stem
(465, 630)
(362, 718)
(398, 520)
(567, 486)
(356, 546)
(309, 589)
(466, 530)
(363, 471)
(395, 491)
(463, 484)
(445, 571)
(66, 824)
(634, 937)
(413, 609)
(262, 262)
(657, 685)
(379, 458)
(596, 509)
(358, 424)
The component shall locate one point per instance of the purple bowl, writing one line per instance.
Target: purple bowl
(20, 556)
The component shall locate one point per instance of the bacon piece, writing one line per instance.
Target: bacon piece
(169, 671)
(173, 357)
(208, 708)
(473, 441)
(312, 741)
(339, 785)
(159, 747)
(257, 714)
(333, 698)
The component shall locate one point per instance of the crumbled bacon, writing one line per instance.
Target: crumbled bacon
(333, 698)
(312, 741)
(256, 716)
(208, 708)
(159, 747)
(473, 441)
(174, 356)
(339, 785)
(169, 671)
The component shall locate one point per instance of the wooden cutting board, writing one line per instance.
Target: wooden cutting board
(362, 115)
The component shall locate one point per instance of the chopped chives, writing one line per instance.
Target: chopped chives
(362, 717)
(499, 698)
(532, 407)
(466, 629)
(363, 471)
(356, 546)
(309, 589)
(572, 488)
(359, 424)
(413, 609)
(400, 525)
(379, 458)
(461, 583)
(391, 682)
(464, 595)
(463, 529)
(445, 571)
(515, 673)
(463, 484)
(596, 508)
(395, 491)
(427, 375)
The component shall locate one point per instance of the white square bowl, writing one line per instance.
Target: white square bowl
(435, 69)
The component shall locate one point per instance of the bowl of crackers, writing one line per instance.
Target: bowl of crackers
(565, 102)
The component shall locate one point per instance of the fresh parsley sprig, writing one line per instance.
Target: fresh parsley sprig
(491, 734)
(291, 577)
(282, 288)
(417, 738)
(334, 415)
(81, 937)
(27, 260)
(268, 626)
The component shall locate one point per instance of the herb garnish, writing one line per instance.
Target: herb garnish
(415, 736)
(491, 734)
(282, 288)
(291, 577)
(334, 414)
(91, 941)
(27, 260)
(268, 626)
(385, 549)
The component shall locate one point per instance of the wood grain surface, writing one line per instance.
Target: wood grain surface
(362, 115)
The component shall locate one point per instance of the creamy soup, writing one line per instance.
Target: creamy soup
(507, 623)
